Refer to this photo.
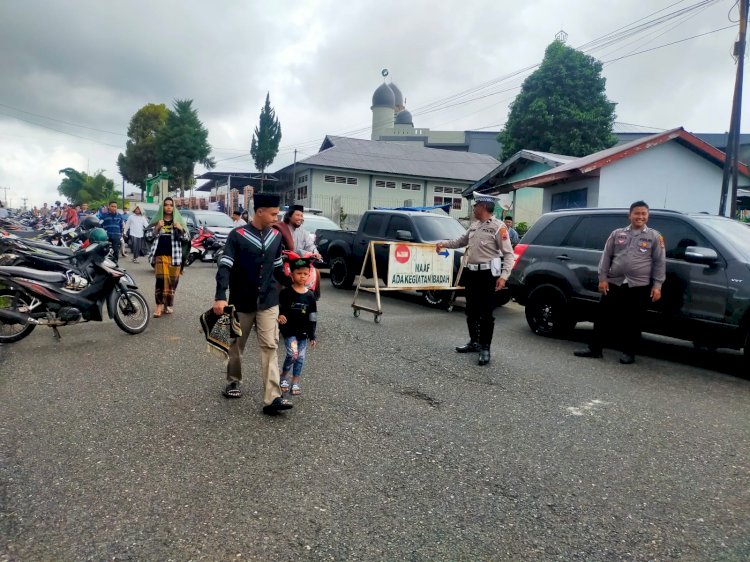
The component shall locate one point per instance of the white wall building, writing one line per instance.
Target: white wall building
(349, 176)
(670, 170)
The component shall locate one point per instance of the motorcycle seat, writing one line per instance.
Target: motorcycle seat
(35, 274)
(49, 249)
(50, 256)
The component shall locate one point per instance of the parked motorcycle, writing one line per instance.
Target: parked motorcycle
(47, 257)
(31, 298)
(203, 246)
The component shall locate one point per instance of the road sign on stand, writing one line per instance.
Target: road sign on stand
(411, 267)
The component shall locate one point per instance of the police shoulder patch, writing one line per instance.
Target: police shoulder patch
(661, 241)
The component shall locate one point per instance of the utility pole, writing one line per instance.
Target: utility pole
(5, 198)
(294, 177)
(24, 199)
(733, 142)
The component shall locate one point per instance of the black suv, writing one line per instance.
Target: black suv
(705, 298)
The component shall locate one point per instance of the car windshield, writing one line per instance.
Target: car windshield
(734, 233)
(435, 228)
(316, 222)
(214, 219)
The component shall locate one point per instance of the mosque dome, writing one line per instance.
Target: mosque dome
(383, 97)
(398, 94)
(404, 118)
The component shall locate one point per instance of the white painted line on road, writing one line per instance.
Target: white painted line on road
(588, 407)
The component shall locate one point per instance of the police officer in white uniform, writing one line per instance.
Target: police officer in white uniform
(631, 272)
(487, 239)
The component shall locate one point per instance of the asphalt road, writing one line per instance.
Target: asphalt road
(117, 447)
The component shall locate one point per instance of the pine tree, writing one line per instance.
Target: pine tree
(265, 144)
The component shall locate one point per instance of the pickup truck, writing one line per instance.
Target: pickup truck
(344, 251)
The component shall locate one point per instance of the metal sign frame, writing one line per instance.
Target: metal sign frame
(377, 289)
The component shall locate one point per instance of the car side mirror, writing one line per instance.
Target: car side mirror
(698, 254)
(404, 235)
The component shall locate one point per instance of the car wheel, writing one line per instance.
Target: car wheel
(548, 312)
(436, 299)
(502, 297)
(342, 277)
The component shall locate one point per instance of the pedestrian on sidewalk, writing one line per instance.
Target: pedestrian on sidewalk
(135, 229)
(250, 265)
(170, 230)
(298, 316)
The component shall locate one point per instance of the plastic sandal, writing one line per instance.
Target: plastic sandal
(277, 405)
(296, 390)
(232, 390)
(284, 385)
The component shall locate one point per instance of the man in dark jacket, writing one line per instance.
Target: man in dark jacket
(112, 222)
(249, 268)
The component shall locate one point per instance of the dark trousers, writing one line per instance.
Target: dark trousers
(480, 303)
(115, 249)
(619, 316)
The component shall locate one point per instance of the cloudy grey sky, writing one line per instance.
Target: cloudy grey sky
(74, 72)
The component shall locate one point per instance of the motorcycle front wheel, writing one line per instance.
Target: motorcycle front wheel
(10, 330)
(131, 312)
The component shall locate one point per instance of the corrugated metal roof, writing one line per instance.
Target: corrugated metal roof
(592, 162)
(402, 159)
(551, 156)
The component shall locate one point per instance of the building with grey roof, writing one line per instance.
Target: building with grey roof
(349, 176)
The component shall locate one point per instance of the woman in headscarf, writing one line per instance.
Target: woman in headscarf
(170, 230)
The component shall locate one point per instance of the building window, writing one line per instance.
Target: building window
(455, 202)
(570, 199)
(443, 189)
(341, 179)
(411, 186)
(301, 193)
(386, 184)
(302, 179)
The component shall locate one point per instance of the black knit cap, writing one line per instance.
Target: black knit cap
(300, 263)
(261, 200)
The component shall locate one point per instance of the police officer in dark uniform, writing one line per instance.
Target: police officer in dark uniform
(631, 272)
(489, 259)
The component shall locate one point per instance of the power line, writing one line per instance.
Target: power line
(59, 131)
(603, 41)
(61, 121)
(457, 99)
(669, 44)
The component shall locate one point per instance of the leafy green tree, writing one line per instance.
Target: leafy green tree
(265, 144)
(79, 187)
(562, 107)
(182, 143)
(140, 158)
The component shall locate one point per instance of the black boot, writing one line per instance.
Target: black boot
(484, 355)
(588, 352)
(473, 344)
(469, 347)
